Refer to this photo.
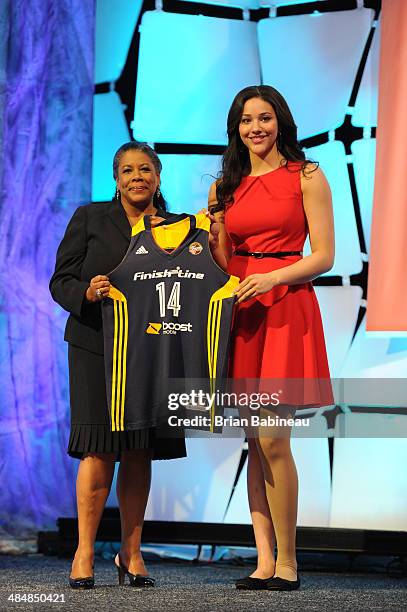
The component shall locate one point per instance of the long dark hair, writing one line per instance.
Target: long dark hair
(134, 145)
(236, 160)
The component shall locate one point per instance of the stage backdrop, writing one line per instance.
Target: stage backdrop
(46, 93)
(169, 77)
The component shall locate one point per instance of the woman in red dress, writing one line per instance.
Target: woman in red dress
(266, 201)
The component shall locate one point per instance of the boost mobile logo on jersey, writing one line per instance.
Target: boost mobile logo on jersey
(153, 328)
(168, 328)
(168, 274)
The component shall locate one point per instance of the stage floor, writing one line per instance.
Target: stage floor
(185, 586)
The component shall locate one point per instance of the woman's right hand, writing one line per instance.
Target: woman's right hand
(98, 288)
(214, 229)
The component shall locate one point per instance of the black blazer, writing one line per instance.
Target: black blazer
(95, 242)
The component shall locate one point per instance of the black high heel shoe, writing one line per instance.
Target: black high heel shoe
(82, 583)
(136, 580)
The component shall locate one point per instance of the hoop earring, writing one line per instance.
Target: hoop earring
(117, 194)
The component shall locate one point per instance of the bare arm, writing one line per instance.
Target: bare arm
(221, 245)
(317, 201)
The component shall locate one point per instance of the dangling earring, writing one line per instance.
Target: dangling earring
(117, 194)
(279, 140)
(158, 193)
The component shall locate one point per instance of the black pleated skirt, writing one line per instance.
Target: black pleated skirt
(90, 424)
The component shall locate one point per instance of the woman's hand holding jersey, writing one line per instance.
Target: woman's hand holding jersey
(98, 289)
(255, 284)
(214, 230)
(99, 285)
(216, 238)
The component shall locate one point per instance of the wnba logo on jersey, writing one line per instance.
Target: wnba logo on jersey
(195, 248)
(168, 328)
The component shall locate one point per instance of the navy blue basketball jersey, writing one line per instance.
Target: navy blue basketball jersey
(168, 316)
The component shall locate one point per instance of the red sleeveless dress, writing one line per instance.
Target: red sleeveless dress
(277, 336)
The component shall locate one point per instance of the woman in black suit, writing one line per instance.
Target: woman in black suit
(95, 241)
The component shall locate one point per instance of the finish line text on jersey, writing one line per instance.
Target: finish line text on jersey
(168, 274)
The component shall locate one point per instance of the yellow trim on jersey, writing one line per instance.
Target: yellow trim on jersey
(202, 222)
(173, 235)
(119, 369)
(213, 331)
(113, 396)
(227, 290)
(119, 358)
(139, 227)
(124, 370)
(115, 294)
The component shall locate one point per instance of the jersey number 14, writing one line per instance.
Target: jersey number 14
(173, 300)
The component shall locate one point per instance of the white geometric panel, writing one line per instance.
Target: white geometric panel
(311, 456)
(109, 133)
(375, 357)
(339, 310)
(186, 179)
(317, 70)
(347, 249)
(198, 487)
(188, 75)
(115, 24)
(364, 159)
(365, 111)
(369, 481)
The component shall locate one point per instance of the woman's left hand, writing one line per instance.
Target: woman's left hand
(255, 284)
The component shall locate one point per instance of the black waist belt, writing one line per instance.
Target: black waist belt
(260, 255)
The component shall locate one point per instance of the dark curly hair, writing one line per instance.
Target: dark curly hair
(134, 145)
(236, 160)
